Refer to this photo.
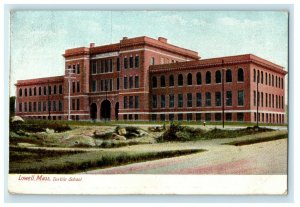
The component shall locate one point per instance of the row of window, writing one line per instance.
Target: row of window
(189, 78)
(41, 106)
(41, 91)
(163, 60)
(268, 80)
(75, 68)
(102, 66)
(269, 118)
(270, 99)
(73, 117)
(105, 85)
(131, 102)
(190, 102)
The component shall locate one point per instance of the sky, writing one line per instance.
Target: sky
(39, 38)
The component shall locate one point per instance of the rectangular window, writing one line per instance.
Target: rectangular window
(154, 101)
(94, 67)
(189, 100)
(118, 83)
(60, 89)
(20, 107)
(40, 91)
(29, 107)
(73, 87)
(137, 61)
(44, 106)
(125, 63)
(125, 102)
(218, 116)
(240, 98)
(110, 85)
(162, 101)
(40, 106)
(54, 105)
(60, 106)
(228, 98)
(199, 100)
(34, 106)
(130, 82)
(272, 100)
(171, 100)
(110, 65)
(171, 117)
(180, 117)
(49, 90)
(208, 117)
(136, 102)
(266, 100)
(208, 99)
(189, 117)
(254, 98)
(78, 104)
(162, 117)
(78, 86)
(73, 104)
(106, 85)
(228, 116)
(262, 98)
(78, 68)
(152, 61)
(102, 65)
(130, 102)
(180, 100)
(137, 83)
(45, 91)
(49, 105)
(125, 82)
(118, 64)
(101, 85)
(218, 98)
(153, 117)
(276, 101)
(25, 107)
(106, 66)
(94, 86)
(198, 117)
(131, 62)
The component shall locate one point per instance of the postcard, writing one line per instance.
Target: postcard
(148, 102)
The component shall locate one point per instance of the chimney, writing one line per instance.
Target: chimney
(125, 38)
(92, 44)
(162, 39)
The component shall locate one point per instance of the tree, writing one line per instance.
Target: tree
(12, 105)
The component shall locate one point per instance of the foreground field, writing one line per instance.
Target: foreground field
(172, 149)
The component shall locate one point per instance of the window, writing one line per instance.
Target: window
(240, 75)
(30, 92)
(73, 87)
(254, 98)
(162, 81)
(34, 106)
(154, 82)
(101, 85)
(189, 100)
(218, 76)
(258, 74)
(131, 62)
(74, 69)
(218, 116)
(125, 102)
(130, 102)
(162, 101)
(78, 68)
(262, 98)
(272, 80)
(118, 64)
(266, 99)
(189, 117)
(125, 82)
(254, 76)
(20, 107)
(106, 66)
(171, 117)
(60, 106)
(137, 82)
(154, 101)
(152, 61)
(180, 80)
(125, 63)
(130, 82)
(25, 107)
(207, 117)
(94, 67)
(272, 100)
(171, 100)
(94, 86)
(171, 80)
(262, 77)
(49, 105)
(34, 91)
(228, 76)
(40, 91)
(269, 100)
(20, 92)
(73, 104)
(180, 117)
(276, 101)
(218, 98)
(240, 98)
(125, 116)
(190, 79)
(136, 102)
(153, 117)
(208, 77)
(162, 117)
(60, 89)
(137, 61)
(207, 99)
(54, 105)
(78, 104)
(276, 82)
(180, 100)
(199, 100)
(282, 83)
(266, 78)
(282, 104)
(44, 106)
(110, 65)
(228, 98)
(78, 86)
(118, 83)
(228, 116)
(49, 90)
(39, 106)
(199, 78)
(198, 117)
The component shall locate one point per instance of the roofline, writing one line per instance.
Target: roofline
(44, 80)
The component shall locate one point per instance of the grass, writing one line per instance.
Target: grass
(257, 140)
(79, 162)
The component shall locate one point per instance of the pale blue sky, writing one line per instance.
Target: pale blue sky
(39, 38)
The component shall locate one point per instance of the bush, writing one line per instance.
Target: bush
(38, 126)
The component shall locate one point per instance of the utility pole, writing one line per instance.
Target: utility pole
(223, 95)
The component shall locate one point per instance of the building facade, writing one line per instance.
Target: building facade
(147, 79)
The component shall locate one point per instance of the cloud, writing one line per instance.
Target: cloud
(174, 19)
(229, 21)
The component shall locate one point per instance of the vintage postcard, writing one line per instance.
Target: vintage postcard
(148, 102)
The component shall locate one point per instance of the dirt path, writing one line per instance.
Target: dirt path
(261, 158)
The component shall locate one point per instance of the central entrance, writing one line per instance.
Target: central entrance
(105, 110)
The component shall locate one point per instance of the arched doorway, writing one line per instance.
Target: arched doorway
(93, 111)
(105, 110)
(117, 111)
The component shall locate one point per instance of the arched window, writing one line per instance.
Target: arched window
(228, 76)
(199, 78)
(262, 77)
(272, 80)
(25, 91)
(276, 82)
(154, 82)
(218, 76)
(208, 77)
(258, 74)
(269, 79)
(240, 74)
(180, 80)
(162, 81)
(30, 92)
(254, 76)
(171, 80)
(20, 92)
(266, 78)
(34, 91)
(190, 79)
